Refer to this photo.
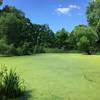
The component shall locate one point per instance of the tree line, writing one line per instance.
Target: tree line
(19, 36)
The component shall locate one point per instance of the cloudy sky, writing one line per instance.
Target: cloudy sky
(56, 13)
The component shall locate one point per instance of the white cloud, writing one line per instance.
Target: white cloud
(63, 10)
(66, 10)
(74, 6)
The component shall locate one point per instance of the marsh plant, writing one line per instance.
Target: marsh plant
(11, 86)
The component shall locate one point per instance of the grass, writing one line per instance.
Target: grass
(59, 76)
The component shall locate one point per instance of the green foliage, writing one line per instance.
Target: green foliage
(93, 17)
(54, 50)
(93, 13)
(10, 84)
(61, 37)
(98, 28)
(19, 51)
(19, 36)
(17, 31)
(39, 49)
(6, 49)
(43, 35)
(27, 48)
(11, 50)
(3, 46)
(84, 45)
(83, 33)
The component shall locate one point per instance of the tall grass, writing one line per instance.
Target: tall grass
(11, 85)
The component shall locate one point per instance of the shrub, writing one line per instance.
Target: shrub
(27, 48)
(3, 46)
(55, 50)
(39, 49)
(10, 84)
(19, 51)
(11, 50)
(84, 45)
(6, 49)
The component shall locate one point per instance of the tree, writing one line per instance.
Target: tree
(10, 27)
(84, 45)
(17, 29)
(3, 46)
(61, 37)
(23, 35)
(43, 35)
(93, 17)
(11, 9)
(93, 13)
(82, 33)
(98, 28)
(98, 31)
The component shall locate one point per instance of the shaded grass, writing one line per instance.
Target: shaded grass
(59, 76)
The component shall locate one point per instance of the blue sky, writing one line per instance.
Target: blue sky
(56, 13)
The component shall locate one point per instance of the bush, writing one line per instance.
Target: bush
(6, 49)
(3, 46)
(27, 48)
(10, 84)
(11, 50)
(19, 51)
(39, 49)
(54, 50)
(84, 45)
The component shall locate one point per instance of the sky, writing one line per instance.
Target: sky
(56, 13)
